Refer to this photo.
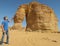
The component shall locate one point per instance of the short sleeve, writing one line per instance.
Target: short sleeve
(2, 23)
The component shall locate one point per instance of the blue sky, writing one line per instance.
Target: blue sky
(9, 8)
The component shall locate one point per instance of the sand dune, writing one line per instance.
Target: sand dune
(21, 38)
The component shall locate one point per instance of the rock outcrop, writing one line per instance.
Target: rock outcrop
(39, 17)
(19, 17)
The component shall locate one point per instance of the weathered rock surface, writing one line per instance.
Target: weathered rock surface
(19, 17)
(39, 17)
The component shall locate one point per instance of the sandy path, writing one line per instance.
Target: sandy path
(18, 38)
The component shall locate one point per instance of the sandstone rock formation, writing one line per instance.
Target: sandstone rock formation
(39, 17)
(19, 17)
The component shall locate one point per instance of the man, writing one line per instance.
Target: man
(5, 30)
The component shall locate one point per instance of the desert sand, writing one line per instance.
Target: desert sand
(22, 38)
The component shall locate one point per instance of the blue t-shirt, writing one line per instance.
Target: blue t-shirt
(5, 25)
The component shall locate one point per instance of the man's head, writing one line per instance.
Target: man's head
(5, 18)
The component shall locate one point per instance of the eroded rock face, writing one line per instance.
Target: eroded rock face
(39, 17)
(19, 17)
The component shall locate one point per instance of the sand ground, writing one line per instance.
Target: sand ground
(21, 38)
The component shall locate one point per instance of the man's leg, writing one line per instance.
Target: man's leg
(7, 40)
(2, 39)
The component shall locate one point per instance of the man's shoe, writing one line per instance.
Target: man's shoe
(6, 43)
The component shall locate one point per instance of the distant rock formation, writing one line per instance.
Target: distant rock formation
(39, 17)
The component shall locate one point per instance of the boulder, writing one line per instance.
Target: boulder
(41, 18)
(19, 17)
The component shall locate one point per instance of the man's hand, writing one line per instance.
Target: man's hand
(3, 30)
(11, 19)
